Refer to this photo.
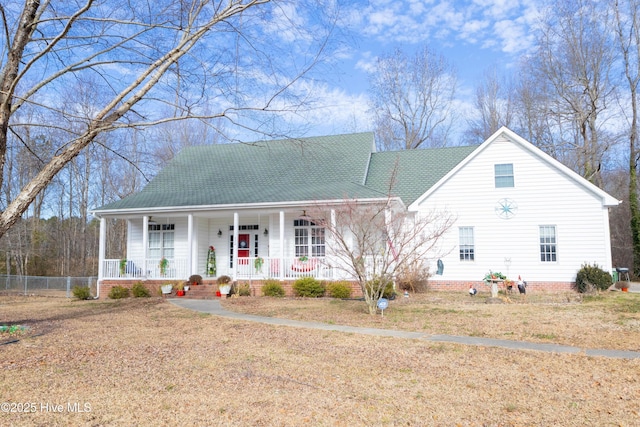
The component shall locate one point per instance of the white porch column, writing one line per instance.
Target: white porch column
(145, 243)
(236, 226)
(281, 245)
(101, 253)
(190, 257)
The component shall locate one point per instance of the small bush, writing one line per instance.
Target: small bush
(195, 279)
(377, 291)
(592, 277)
(272, 288)
(140, 291)
(308, 287)
(339, 290)
(244, 290)
(81, 292)
(119, 292)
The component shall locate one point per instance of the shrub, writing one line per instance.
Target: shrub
(272, 288)
(308, 287)
(375, 286)
(339, 290)
(119, 292)
(414, 278)
(140, 291)
(592, 277)
(81, 292)
(195, 279)
(244, 290)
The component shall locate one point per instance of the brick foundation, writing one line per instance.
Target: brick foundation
(356, 292)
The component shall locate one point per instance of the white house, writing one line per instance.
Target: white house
(518, 211)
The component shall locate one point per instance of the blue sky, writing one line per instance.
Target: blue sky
(472, 34)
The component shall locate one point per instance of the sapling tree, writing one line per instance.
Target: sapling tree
(375, 241)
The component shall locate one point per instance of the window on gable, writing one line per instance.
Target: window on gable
(309, 238)
(466, 243)
(504, 175)
(548, 245)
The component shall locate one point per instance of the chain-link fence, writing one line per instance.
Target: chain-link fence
(45, 286)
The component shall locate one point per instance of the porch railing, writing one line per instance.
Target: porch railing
(246, 269)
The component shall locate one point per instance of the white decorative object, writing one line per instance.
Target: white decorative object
(166, 289)
(225, 289)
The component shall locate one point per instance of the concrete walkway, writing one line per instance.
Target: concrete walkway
(214, 307)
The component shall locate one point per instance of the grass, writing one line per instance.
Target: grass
(147, 362)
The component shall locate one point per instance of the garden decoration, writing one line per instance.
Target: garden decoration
(211, 261)
(164, 263)
(123, 266)
(258, 264)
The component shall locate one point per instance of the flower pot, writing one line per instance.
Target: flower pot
(625, 289)
(225, 289)
(186, 288)
(166, 289)
(180, 293)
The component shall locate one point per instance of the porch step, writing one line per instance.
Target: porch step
(203, 291)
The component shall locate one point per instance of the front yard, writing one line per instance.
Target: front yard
(147, 362)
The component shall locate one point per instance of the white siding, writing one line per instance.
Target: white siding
(544, 196)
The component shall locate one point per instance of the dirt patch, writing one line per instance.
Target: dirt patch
(146, 362)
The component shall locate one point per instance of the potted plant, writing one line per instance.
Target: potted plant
(224, 285)
(195, 280)
(180, 289)
(166, 288)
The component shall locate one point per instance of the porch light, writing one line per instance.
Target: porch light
(219, 233)
(266, 232)
(151, 221)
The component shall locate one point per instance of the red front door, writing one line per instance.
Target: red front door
(244, 247)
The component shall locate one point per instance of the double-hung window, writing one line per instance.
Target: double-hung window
(161, 241)
(548, 243)
(309, 238)
(466, 244)
(504, 175)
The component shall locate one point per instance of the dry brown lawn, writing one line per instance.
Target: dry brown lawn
(146, 362)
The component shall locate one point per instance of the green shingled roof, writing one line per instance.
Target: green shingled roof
(306, 169)
(416, 170)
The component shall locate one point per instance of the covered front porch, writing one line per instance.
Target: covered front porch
(271, 244)
(247, 268)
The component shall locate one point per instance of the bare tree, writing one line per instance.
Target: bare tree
(412, 100)
(627, 17)
(572, 67)
(376, 241)
(140, 56)
(494, 105)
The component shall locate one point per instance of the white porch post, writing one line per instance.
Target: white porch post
(236, 225)
(190, 257)
(101, 253)
(281, 245)
(145, 242)
(332, 218)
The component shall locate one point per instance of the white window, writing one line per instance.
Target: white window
(504, 175)
(309, 239)
(548, 244)
(466, 243)
(161, 243)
